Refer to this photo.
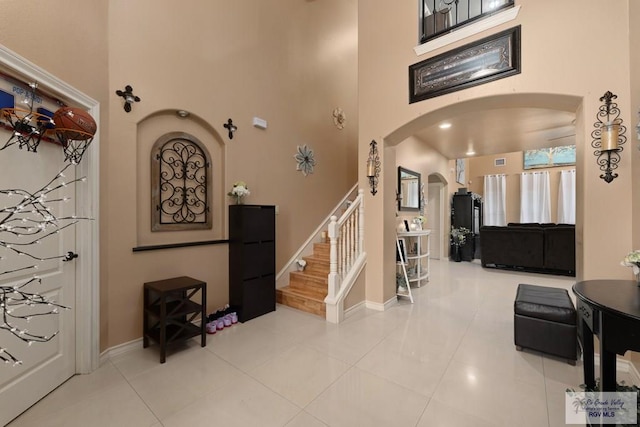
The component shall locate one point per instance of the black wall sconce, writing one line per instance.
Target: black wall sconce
(230, 127)
(608, 137)
(373, 167)
(129, 97)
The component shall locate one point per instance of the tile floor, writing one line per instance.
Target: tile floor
(446, 360)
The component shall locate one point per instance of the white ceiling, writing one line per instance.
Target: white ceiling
(499, 130)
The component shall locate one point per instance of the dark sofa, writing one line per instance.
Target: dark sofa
(543, 248)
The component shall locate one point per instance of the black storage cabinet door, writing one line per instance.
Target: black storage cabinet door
(252, 259)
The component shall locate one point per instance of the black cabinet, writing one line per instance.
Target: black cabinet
(466, 211)
(252, 260)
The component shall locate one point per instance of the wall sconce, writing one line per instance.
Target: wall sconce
(230, 127)
(129, 97)
(373, 167)
(339, 118)
(28, 126)
(608, 137)
(638, 129)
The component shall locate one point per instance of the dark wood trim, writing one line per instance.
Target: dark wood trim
(179, 245)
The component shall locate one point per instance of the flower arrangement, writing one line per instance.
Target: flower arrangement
(301, 264)
(459, 235)
(633, 260)
(238, 191)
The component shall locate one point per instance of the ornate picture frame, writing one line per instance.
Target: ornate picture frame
(491, 58)
(460, 172)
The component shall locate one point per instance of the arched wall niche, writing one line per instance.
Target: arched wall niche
(149, 130)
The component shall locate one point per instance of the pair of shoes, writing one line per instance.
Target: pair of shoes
(230, 319)
(221, 319)
(211, 327)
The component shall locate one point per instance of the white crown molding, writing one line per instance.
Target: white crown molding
(468, 31)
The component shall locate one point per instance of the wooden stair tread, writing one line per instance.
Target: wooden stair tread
(305, 293)
(308, 288)
(317, 258)
(309, 276)
(301, 301)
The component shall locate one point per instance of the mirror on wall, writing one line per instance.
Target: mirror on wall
(408, 190)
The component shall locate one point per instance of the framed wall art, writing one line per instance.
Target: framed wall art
(491, 58)
(460, 173)
(550, 157)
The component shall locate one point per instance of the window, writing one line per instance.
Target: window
(439, 17)
(180, 184)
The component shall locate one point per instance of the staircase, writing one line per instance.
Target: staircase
(307, 289)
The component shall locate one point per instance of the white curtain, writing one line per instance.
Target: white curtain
(567, 197)
(494, 203)
(535, 198)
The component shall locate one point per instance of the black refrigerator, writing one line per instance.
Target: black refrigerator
(466, 211)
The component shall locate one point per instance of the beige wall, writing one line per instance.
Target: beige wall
(387, 34)
(289, 62)
(358, 292)
(225, 60)
(485, 165)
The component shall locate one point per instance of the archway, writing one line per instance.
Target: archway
(414, 141)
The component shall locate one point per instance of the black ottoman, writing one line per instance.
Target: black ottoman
(545, 320)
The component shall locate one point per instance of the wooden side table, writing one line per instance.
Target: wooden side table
(170, 313)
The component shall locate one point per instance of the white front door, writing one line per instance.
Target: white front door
(32, 241)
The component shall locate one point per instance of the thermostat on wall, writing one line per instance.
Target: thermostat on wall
(259, 123)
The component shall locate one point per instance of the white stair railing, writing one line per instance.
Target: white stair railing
(346, 254)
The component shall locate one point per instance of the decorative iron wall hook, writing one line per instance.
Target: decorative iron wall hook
(230, 127)
(608, 137)
(129, 97)
(373, 167)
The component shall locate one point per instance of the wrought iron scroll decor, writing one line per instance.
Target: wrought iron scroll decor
(373, 167)
(439, 17)
(492, 58)
(181, 184)
(608, 137)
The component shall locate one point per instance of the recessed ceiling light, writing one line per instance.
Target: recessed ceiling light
(471, 153)
(445, 125)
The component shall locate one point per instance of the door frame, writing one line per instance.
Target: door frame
(87, 266)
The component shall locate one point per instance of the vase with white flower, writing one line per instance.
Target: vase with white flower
(238, 191)
(633, 260)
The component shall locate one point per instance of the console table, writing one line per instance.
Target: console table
(170, 314)
(609, 309)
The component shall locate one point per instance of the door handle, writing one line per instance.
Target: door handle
(69, 256)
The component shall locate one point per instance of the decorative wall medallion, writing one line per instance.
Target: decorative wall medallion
(305, 160)
(339, 118)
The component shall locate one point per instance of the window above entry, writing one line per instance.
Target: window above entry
(441, 17)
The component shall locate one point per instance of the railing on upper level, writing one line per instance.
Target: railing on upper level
(439, 17)
(347, 256)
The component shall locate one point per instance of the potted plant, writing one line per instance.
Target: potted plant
(459, 238)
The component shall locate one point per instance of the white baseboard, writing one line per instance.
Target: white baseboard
(120, 349)
(354, 309)
(622, 365)
(384, 306)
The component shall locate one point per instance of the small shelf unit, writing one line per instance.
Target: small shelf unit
(415, 257)
(170, 313)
